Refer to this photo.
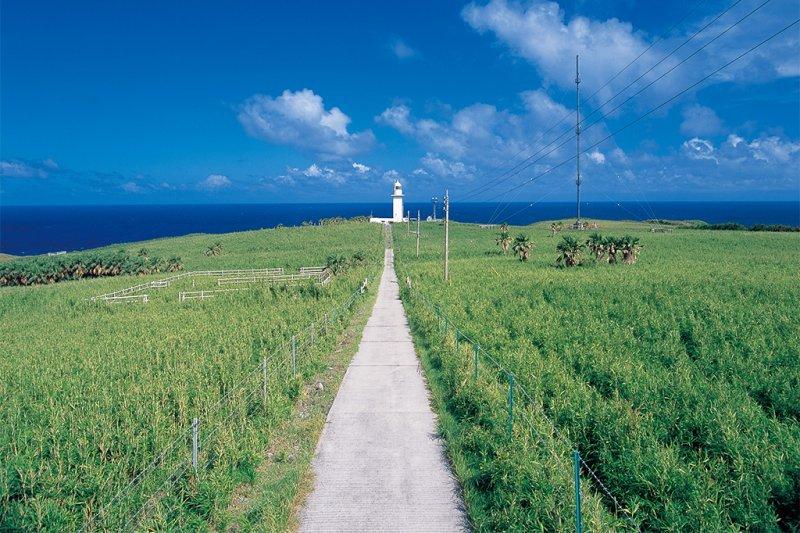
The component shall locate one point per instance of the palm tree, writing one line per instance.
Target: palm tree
(595, 244)
(630, 248)
(611, 246)
(522, 247)
(504, 238)
(569, 252)
(174, 263)
(214, 249)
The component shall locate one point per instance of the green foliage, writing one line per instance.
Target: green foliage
(91, 392)
(570, 252)
(339, 263)
(214, 249)
(503, 238)
(94, 264)
(678, 379)
(522, 247)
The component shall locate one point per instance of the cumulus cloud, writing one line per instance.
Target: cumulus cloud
(215, 182)
(477, 140)
(700, 121)
(539, 32)
(697, 148)
(131, 187)
(336, 173)
(21, 169)
(299, 119)
(401, 50)
(361, 168)
(597, 157)
(774, 150)
(397, 117)
(734, 140)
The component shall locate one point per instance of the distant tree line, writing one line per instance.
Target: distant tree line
(95, 264)
(724, 226)
(735, 226)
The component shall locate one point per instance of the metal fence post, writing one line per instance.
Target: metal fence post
(511, 405)
(576, 467)
(294, 355)
(195, 442)
(264, 381)
(475, 349)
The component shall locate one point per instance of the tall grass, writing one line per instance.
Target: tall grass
(92, 391)
(678, 377)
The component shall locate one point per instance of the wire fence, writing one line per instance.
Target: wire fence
(528, 413)
(168, 479)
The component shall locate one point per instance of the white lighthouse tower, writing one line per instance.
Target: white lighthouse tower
(397, 206)
(397, 202)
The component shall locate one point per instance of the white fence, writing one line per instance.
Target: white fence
(202, 295)
(232, 276)
(272, 279)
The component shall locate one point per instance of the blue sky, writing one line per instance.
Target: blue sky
(168, 102)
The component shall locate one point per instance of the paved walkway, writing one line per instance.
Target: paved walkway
(380, 465)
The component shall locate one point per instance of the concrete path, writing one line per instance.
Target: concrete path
(380, 465)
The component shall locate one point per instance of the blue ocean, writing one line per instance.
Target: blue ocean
(41, 229)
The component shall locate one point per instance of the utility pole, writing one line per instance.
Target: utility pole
(446, 236)
(408, 221)
(434, 200)
(578, 223)
(417, 233)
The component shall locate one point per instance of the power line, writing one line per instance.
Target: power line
(470, 192)
(517, 168)
(659, 106)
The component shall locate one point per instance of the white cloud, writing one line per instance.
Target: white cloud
(597, 157)
(480, 140)
(361, 168)
(131, 187)
(773, 150)
(700, 120)
(401, 50)
(391, 176)
(215, 182)
(734, 140)
(398, 117)
(313, 171)
(299, 119)
(445, 168)
(539, 32)
(50, 164)
(20, 169)
(697, 148)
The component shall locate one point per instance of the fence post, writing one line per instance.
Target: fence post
(511, 405)
(195, 442)
(264, 381)
(576, 462)
(313, 334)
(294, 355)
(475, 349)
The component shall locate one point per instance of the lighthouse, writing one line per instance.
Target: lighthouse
(397, 206)
(397, 202)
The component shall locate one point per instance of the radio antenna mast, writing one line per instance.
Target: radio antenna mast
(578, 223)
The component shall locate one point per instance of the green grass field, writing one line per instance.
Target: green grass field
(92, 392)
(677, 378)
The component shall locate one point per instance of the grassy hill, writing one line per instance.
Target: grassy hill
(92, 392)
(677, 378)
